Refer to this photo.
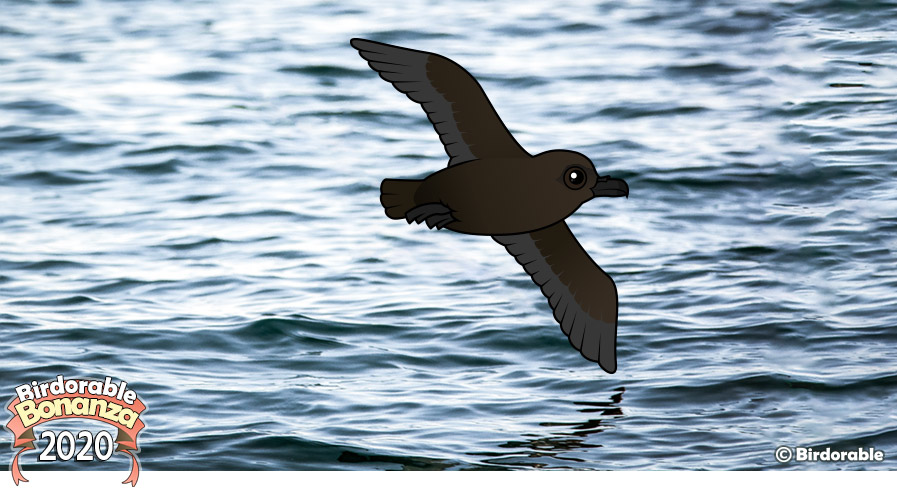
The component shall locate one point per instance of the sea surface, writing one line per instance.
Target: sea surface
(189, 202)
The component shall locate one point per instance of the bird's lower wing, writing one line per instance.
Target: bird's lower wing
(582, 295)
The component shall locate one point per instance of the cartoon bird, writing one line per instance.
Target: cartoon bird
(493, 187)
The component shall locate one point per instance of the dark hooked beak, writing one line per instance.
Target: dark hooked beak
(610, 187)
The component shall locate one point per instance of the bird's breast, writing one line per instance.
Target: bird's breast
(493, 198)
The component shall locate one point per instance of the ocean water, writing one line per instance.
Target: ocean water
(189, 202)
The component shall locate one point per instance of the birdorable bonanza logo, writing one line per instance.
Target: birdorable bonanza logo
(39, 403)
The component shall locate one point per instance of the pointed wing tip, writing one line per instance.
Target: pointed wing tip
(607, 358)
(608, 365)
(361, 44)
(600, 346)
(368, 45)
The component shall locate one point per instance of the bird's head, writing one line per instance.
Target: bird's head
(577, 179)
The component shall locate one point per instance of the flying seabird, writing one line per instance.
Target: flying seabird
(492, 186)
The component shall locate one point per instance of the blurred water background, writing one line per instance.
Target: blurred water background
(189, 202)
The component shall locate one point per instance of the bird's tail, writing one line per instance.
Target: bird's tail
(397, 196)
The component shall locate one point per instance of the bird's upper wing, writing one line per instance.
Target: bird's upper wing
(582, 295)
(466, 121)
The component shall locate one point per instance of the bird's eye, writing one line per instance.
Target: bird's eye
(575, 178)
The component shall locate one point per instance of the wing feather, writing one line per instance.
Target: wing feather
(453, 100)
(582, 295)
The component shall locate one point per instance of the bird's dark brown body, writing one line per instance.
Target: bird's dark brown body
(503, 195)
(494, 197)
(493, 187)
